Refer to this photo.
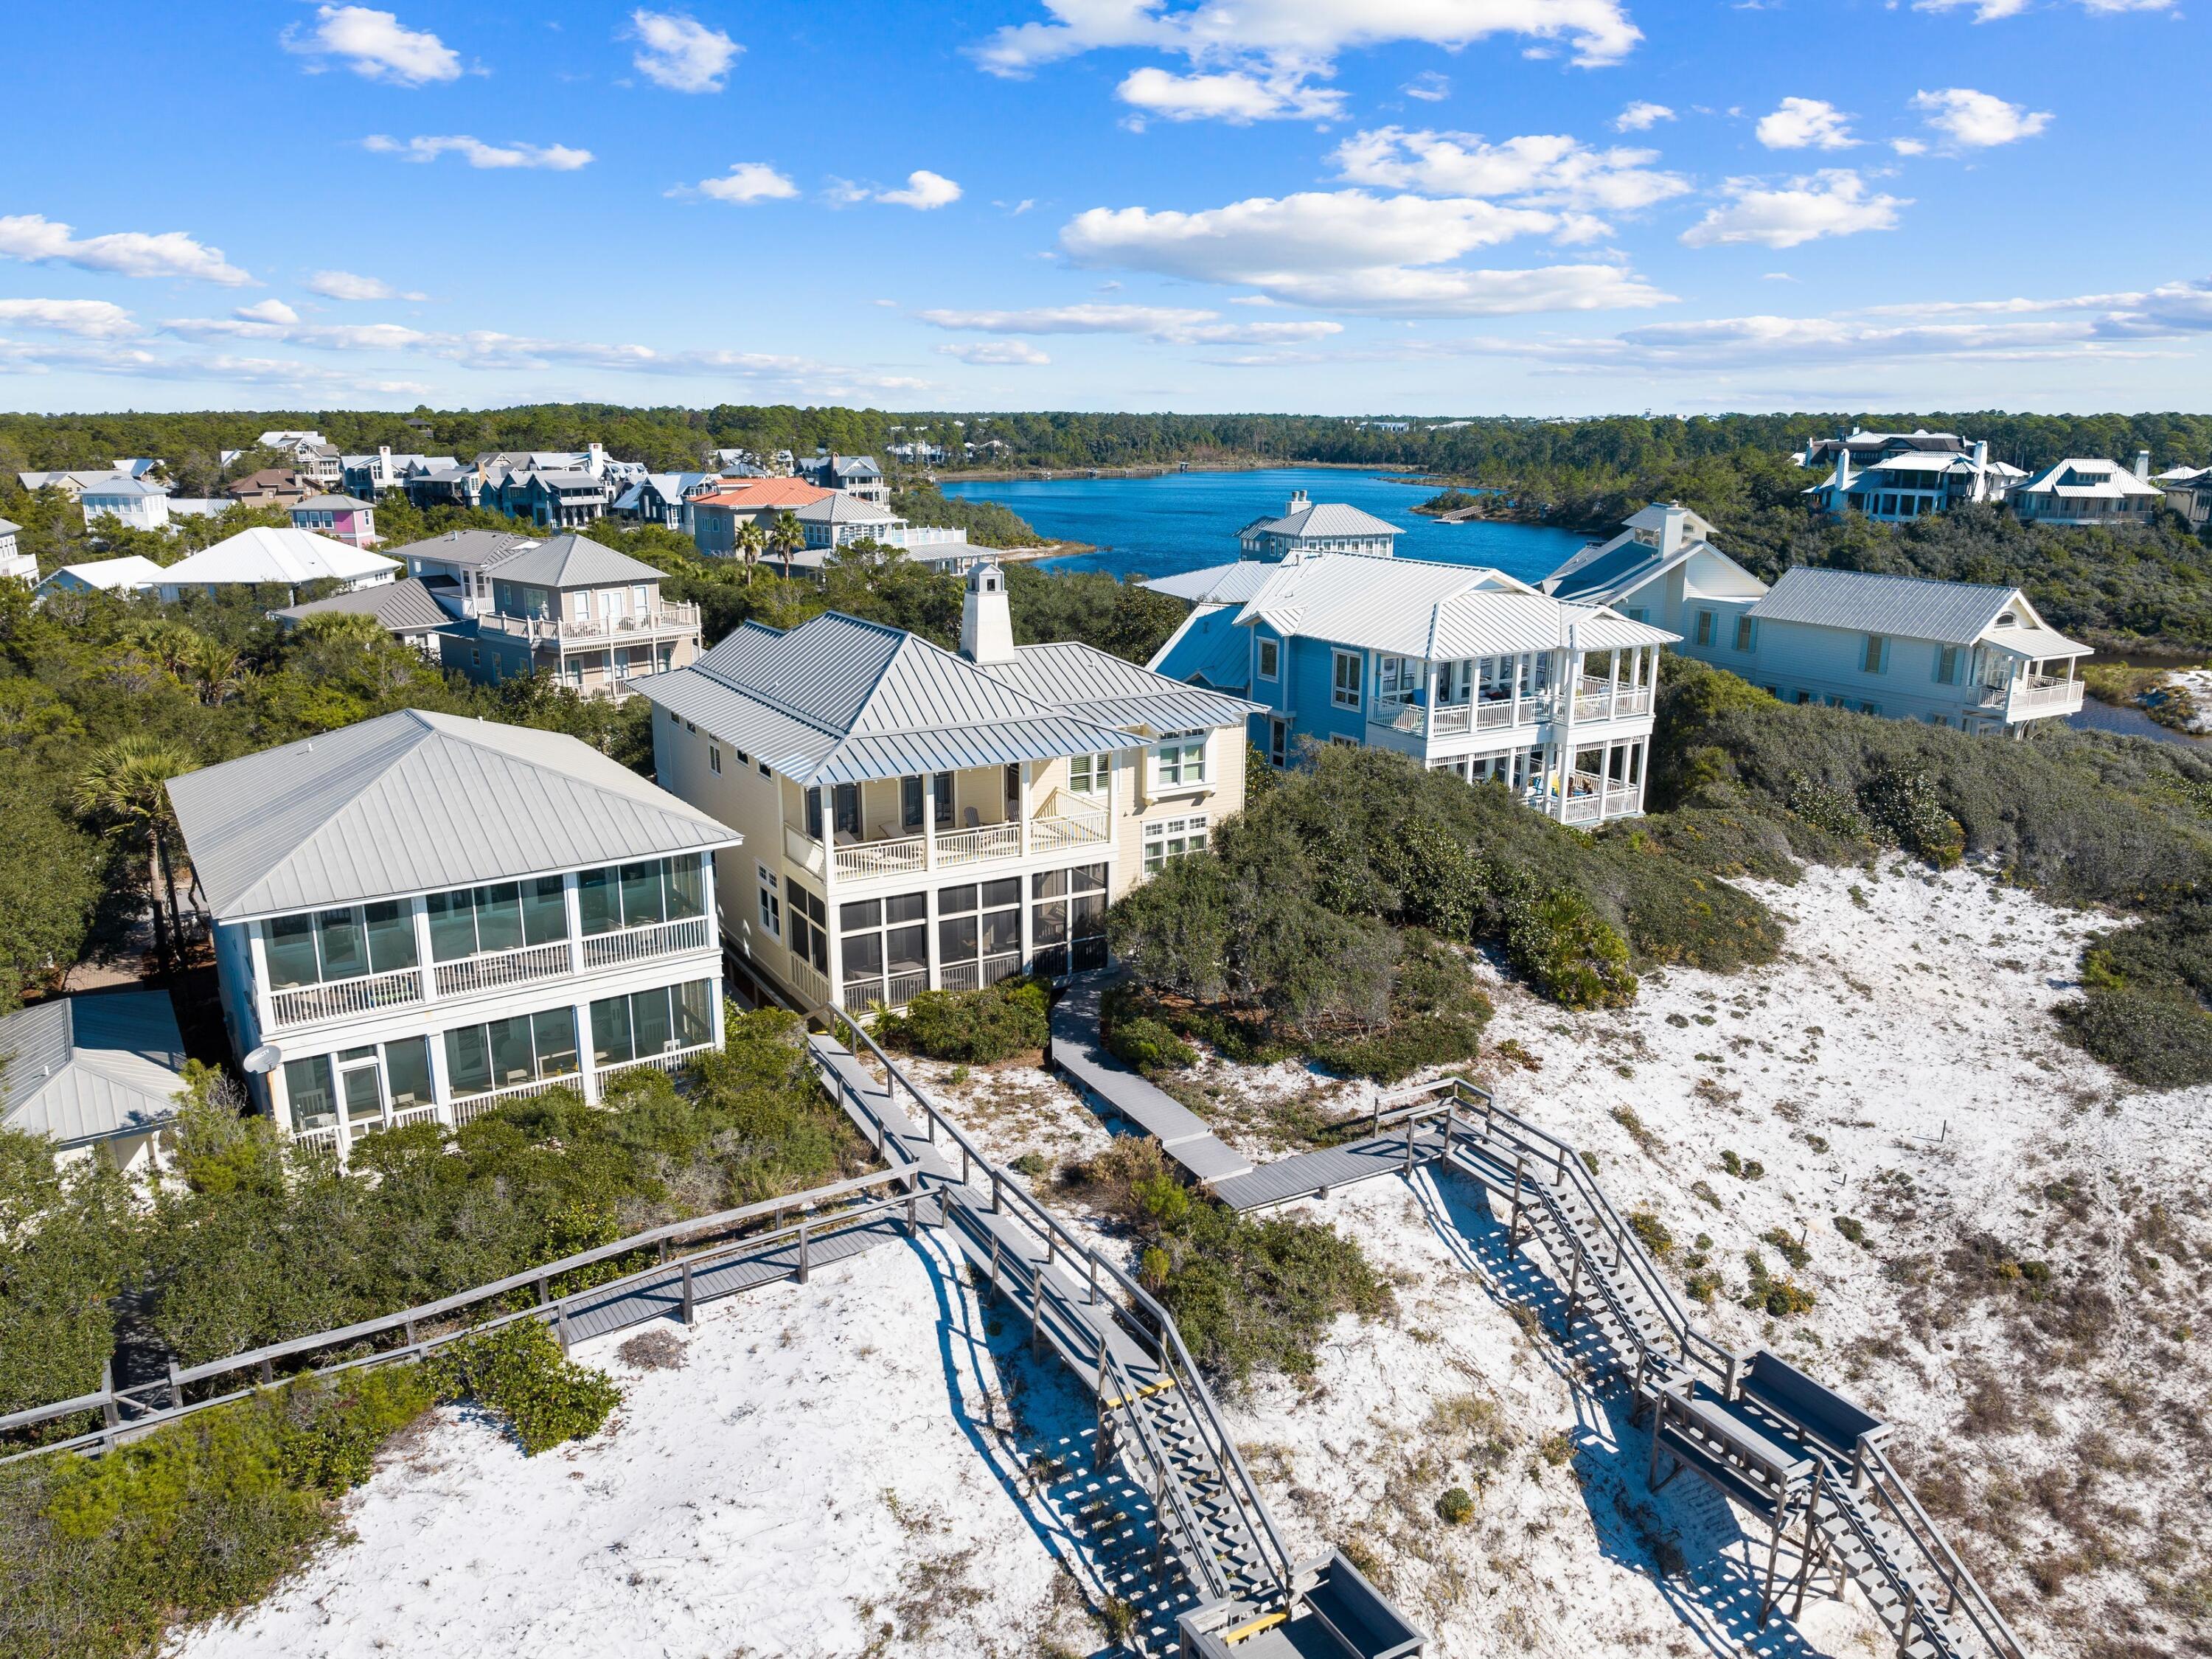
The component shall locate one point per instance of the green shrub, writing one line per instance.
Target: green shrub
(72, 1236)
(101, 1557)
(979, 1027)
(1653, 1231)
(1791, 1250)
(519, 1372)
(2159, 1042)
(1569, 952)
(1853, 1229)
(1902, 802)
(1456, 1507)
(1149, 1046)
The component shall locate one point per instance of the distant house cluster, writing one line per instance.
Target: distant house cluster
(1893, 477)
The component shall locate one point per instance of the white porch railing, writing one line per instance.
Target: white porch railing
(907, 856)
(323, 1140)
(516, 967)
(975, 975)
(2042, 694)
(672, 1060)
(803, 850)
(467, 1109)
(989, 840)
(343, 999)
(1049, 835)
(903, 857)
(668, 617)
(809, 986)
(659, 939)
(1597, 698)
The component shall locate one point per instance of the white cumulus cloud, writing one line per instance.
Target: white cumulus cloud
(1835, 202)
(1429, 86)
(88, 319)
(680, 52)
(924, 190)
(376, 45)
(1236, 96)
(1977, 120)
(1806, 124)
(267, 311)
(1354, 251)
(745, 182)
(1288, 32)
(345, 285)
(557, 158)
(1175, 325)
(998, 353)
(1990, 11)
(36, 240)
(1538, 169)
(1641, 117)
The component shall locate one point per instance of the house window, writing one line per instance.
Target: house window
(940, 797)
(655, 1022)
(845, 808)
(1067, 920)
(809, 928)
(1279, 742)
(1874, 659)
(1271, 652)
(1345, 670)
(1704, 628)
(339, 944)
(715, 760)
(814, 814)
(1091, 774)
(1870, 708)
(1743, 633)
(884, 938)
(1170, 838)
(979, 933)
(472, 921)
(770, 901)
(501, 1053)
(1640, 613)
(1947, 665)
(640, 895)
(1180, 760)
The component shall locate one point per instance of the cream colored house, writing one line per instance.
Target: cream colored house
(915, 819)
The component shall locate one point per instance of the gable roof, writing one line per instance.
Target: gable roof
(400, 607)
(131, 570)
(1209, 650)
(2108, 480)
(1115, 691)
(413, 802)
(1603, 572)
(838, 507)
(330, 504)
(470, 548)
(287, 556)
(86, 1068)
(1909, 608)
(570, 561)
(1221, 584)
(838, 700)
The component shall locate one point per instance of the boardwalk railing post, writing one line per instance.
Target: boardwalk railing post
(561, 1325)
(176, 1388)
(912, 1221)
(1513, 1229)
(690, 1306)
(802, 1252)
(110, 1413)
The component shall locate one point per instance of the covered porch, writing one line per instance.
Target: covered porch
(885, 827)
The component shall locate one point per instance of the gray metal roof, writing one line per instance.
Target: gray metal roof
(1327, 519)
(1909, 608)
(330, 503)
(466, 548)
(86, 1068)
(1221, 584)
(414, 802)
(401, 607)
(837, 700)
(572, 561)
(1086, 681)
(838, 507)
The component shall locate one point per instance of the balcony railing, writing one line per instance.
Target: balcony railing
(1601, 699)
(672, 1059)
(2034, 694)
(1591, 799)
(975, 975)
(659, 939)
(467, 1109)
(907, 856)
(488, 973)
(1049, 835)
(809, 986)
(667, 618)
(344, 998)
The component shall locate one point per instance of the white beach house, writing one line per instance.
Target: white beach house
(1308, 526)
(1468, 671)
(97, 1075)
(420, 917)
(263, 557)
(915, 819)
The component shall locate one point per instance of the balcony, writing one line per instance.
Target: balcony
(1590, 799)
(667, 618)
(2032, 696)
(860, 858)
(504, 968)
(344, 998)
(1597, 699)
(1456, 720)
(661, 938)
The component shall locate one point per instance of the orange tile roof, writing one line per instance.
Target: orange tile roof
(765, 492)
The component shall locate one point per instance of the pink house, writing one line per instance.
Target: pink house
(342, 517)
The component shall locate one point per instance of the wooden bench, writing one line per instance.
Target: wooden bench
(1821, 1415)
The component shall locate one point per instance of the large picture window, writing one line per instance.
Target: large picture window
(1067, 920)
(476, 920)
(979, 933)
(1179, 760)
(639, 894)
(1344, 668)
(1170, 838)
(340, 944)
(502, 1052)
(809, 928)
(655, 1022)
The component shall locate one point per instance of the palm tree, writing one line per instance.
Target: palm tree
(752, 542)
(125, 789)
(787, 539)
(216, 670)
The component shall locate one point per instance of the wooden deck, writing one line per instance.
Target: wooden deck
(1102, 1078)
(1308, 1174)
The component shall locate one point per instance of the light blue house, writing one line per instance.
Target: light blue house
(1965, 655)
(1466, 670)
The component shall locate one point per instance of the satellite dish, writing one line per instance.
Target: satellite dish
(266, 1058)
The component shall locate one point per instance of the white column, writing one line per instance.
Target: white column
(257, 948)
(587, 1060)
(441, 1084)
(576, 916)
(1023, 807)
(419, 909)
(932, 780)
(1612, 709)
(714, 916)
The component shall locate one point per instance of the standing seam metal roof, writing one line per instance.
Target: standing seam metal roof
(81, 1069)
(414, 802)
(570, 561)
(1906, 607)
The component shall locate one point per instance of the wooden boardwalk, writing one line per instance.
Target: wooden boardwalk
(1102, 1079)
(1309, 1174)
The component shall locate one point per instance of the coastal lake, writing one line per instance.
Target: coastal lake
(1186, 520)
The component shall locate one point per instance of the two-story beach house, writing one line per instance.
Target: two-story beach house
(345, 519)
(16, 564)
(1307, 526)
(1468, 671)
(420, 917)
(589, 617)
(852, 474)
(2088, 492)
(1951, 653)
(1904, 484)
(915, 819)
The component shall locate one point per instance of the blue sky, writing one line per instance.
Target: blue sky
(1334, 206)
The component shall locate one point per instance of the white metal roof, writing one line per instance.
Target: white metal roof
(131, 570)
(86, 1068)
(286, 556)
(414, 802)
(1113, 691)
(838, 508)
(1333, 518)
(2104, 480)
(1221, 584)
(1913, 608)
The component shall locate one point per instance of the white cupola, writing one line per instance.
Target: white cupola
(986, 625)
